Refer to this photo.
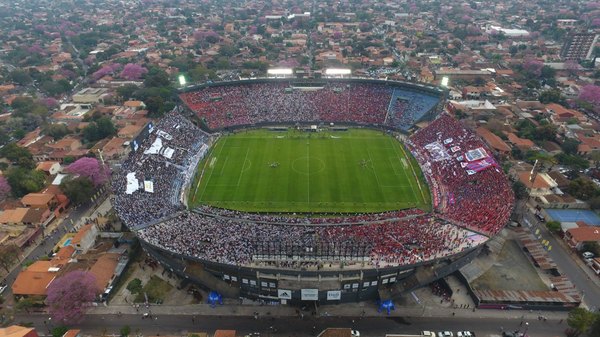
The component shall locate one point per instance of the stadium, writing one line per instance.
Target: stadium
(311, 190)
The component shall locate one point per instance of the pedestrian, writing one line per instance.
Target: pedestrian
(453, 314)
(193, 320)
(560, 322)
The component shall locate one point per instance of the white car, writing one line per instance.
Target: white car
(445, 334)
(2, 288)
(464, 334)
(587, 255)
(355, 333)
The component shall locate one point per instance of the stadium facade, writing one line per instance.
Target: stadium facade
(293, 260)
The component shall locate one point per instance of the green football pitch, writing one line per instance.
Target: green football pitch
(358, 170)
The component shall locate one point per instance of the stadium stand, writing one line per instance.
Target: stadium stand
(471, 193)
(364, 103)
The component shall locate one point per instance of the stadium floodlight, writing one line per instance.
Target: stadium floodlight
(445, 81)
(337, 71)
(280, 71)
(182, 80)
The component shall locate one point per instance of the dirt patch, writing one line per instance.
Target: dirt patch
(511, 271)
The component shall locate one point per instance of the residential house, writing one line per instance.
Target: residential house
(521, 143)
(493, 141)
(541, 185)
(18, 331)
(104, 270)
(40, 200)
(579, 236)
(51, 168)
(85, 238)
(35, 279)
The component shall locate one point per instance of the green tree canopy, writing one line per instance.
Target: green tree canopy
(23, 181)
(18, 155)
(78, 190)
(99, 129)
(550, 96)
(520, 190)
(581, 319)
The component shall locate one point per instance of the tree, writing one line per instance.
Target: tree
(550, 96)
(59, 331)
(533, 67)
(25, 304)
(78, 190)
(570, 146)
(155, 106)
(126, 91)
(56, 131)
(4, 188)
(23, 181)
(582, 188)
(125, 331)
(90, 168)
(133, 71)
(581, 320)
(520, 190)
(69, 296)
(9, 254)
(135, 286)
(553, 226)
(572, 67)
(20, 77)
(590, 94)
(99, 129)
(18, 155)
(156, 78)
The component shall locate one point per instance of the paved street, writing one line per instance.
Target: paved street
(570, 265)
(288, 326)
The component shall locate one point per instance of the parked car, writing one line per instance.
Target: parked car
(587, 255)
(465, 334)
(445, 334)
(3, 287)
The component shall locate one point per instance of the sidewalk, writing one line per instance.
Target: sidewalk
(340, 310)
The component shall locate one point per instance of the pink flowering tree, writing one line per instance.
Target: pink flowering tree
(596, 22)
(571, 67)
(133, 71)
(71, 295)
(90, 168)
(108, 69)
(533, 66)
(206, 36)
(590, 94)
(49, 102)
(4, 188)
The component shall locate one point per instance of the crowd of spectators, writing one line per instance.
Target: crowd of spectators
(408, 107)
(306, 219)
(237, 242)
(250, 103)
(481, 200)
(166, 174)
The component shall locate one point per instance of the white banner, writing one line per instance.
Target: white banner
(334, 295)
(309, 294)
(284, 294)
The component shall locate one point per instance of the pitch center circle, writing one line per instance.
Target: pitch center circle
(308, 165)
